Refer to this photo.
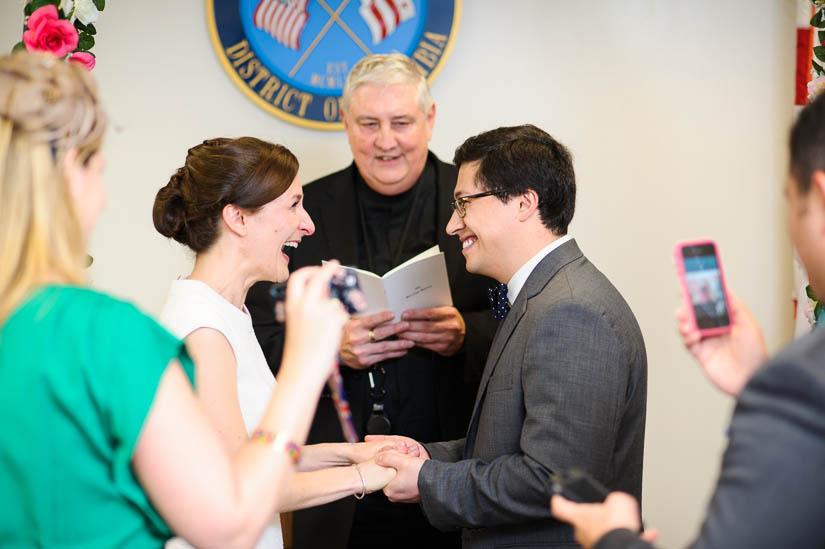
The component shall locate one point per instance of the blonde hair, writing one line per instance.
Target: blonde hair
(47, 107)
(385, 69)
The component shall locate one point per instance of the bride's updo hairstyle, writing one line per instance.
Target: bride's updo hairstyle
(47, 107)
(245, 172)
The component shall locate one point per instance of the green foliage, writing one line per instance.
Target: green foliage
(819, 52)
(100, 4)
(88, 29)
(35, 4)
(18, 47)
(818, 20)
(810, 292)
(818, 68)
(819, 307)
(85, 42)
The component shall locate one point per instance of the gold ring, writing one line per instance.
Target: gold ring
(372, 336)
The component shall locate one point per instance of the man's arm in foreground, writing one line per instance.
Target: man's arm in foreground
(770, 489)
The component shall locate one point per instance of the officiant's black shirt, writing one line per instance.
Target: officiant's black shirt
(410, 378)
(385, 219)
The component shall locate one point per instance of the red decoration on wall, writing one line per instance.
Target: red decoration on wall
(804, 55)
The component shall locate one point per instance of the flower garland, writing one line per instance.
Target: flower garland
(815, 311)
(817, 82)
(63, 28)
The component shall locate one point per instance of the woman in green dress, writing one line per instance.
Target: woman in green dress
(103, 443)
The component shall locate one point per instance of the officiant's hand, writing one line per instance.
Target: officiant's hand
(439, 329)
(365, 342)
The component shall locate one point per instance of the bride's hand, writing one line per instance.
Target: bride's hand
(364, 451)
(314, 321)
(375, 475)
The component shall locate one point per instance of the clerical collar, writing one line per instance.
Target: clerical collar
(386, 222)
(374, 198)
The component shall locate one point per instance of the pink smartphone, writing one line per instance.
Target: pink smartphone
(703, 285)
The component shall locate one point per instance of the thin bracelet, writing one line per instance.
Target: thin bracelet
(278, 442)
(363, 482)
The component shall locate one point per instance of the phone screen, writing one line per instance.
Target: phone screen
(704, 284)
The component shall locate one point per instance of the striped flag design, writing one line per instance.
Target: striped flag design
(384, 16)
(284, 20)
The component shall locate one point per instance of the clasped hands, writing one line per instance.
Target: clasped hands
(391, 463)
(366, 341)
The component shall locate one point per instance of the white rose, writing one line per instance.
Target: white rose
(66, 6)
(86, 11)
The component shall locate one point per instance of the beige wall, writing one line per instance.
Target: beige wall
(676, 112)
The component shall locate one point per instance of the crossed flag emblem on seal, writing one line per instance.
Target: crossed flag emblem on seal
(285, 20)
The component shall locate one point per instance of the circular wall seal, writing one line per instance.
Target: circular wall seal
(291, 57)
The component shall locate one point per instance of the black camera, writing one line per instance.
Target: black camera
(343, 286)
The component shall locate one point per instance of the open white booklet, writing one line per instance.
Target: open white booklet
(418, 283)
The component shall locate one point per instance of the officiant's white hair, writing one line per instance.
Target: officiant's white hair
(384, 70)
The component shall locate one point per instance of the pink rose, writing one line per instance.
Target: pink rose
(47, 32)
(83, 58)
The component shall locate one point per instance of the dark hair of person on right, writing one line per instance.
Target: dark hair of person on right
(246, 172)
(807, 144)
(517, 158)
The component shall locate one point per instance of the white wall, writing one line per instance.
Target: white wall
(676, 113)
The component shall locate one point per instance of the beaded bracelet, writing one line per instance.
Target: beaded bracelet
(363, 482)
(278, 442)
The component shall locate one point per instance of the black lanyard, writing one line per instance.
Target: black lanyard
(378, 423)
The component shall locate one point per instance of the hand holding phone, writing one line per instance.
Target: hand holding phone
(703, 286)
(576, 485)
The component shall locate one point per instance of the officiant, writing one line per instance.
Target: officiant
(416, 376)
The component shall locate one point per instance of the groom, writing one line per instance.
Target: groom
(566, 378)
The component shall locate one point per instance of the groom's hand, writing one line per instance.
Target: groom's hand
(404, 487)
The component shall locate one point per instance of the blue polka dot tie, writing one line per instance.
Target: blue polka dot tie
(498, 300)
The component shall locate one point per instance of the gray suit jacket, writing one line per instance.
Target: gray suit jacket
(769, 493)
(564, 386)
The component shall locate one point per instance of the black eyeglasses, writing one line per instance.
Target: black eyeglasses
(460, 204)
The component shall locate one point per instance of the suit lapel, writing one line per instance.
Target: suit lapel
(536, 282)
(340, 226)
(503, 333)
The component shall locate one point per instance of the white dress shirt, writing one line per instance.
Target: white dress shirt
(517, 282)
